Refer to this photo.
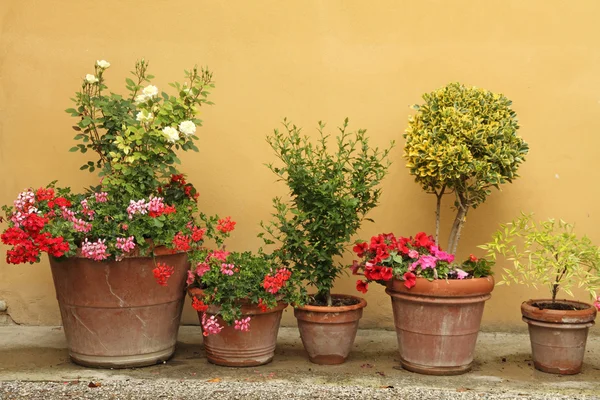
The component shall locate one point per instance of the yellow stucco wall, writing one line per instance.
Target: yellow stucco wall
(310, 61)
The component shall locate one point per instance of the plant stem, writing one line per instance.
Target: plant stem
(556, 284)
(459, 220)
(438, 211)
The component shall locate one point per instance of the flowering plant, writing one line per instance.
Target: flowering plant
(142, 201)
(547, 253)
(405, 258)
(229, 280)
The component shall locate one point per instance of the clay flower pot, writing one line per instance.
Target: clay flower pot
(234, 348)
(328, 333)
(558, 337)
(437, 322)
(114, 314)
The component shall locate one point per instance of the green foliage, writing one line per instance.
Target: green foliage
(547, 253)
(478, 268)
(463, 140)
(331, 191)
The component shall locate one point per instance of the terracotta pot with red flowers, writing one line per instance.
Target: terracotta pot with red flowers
(550, 254)
(119, 251)
(462, 141)
(240, 298)
(330, 194)
(437, 304)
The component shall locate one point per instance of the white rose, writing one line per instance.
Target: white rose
(187, 128)
(171, 134)
(89, 78)
(140, 98)
(144, 116)
(150, 91)
(102, 64)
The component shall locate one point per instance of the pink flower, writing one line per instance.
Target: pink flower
(219, 255)
(227, 269)
(125, 244)
(190, 278)
(67, 214)
(460, 274)
(81, 226)
(202, 268)
(427, 262)
(101, 197)
(94, 250)
(441, 255)
(86, 210)
(242, 324)
(355, 266)
(210, 326)
(413, 254)
(137, 207)
(597, 303)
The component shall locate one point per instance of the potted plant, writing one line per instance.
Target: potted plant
(437, 304)
(550, 254)
(109, 246)
(331, 191)
(240, 298)
(462, 141)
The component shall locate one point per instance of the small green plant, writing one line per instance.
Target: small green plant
(463, 141)
(330, 194)
(547, 253)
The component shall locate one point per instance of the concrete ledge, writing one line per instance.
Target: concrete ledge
(34, 364)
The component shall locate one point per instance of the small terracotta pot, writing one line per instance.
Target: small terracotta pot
(114, 313)
(437, 323)
(234, 348)
(328, 333)
(558, 337)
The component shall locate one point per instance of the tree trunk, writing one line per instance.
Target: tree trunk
(438, 211)
(459, 220)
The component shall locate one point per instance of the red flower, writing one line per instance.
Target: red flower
(34, 223)
(199, 305)
(219, 255)
(178, 179)
(59, 201)
(410, 280)
(373, 272)
(181, 242)
(263, 307)
(402, 245)
(197, 233)
(360, 249)
(422, 240)
(473, 258)
(273, 284)
(44, 194)
(362, 286)
(162, 273)
(225, 225)
(386, 273)
(169, 210)
(13, 236)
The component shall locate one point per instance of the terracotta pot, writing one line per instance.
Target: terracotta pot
(328, 332)
(437, 323)
(114, 314)
(234, 348)
(558, 337)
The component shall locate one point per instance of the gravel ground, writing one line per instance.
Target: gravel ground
(171, 389)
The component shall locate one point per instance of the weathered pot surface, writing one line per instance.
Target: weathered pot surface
(437, 323)
(234, 348)
(114, 314)
(328, 333)
(558, 337)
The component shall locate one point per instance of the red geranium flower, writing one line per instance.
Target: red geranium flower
(162, 273)
(199, 305)
(225, 225)
(473, 258)
(410, 280)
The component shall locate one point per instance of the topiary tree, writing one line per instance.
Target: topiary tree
(463, 141)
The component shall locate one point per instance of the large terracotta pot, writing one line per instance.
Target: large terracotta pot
(234, 348)
(437, 323)
(115, 315)
(328, 333)
(558, 337)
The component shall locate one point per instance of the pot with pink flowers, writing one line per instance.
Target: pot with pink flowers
(240, 299)
(437, 304)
